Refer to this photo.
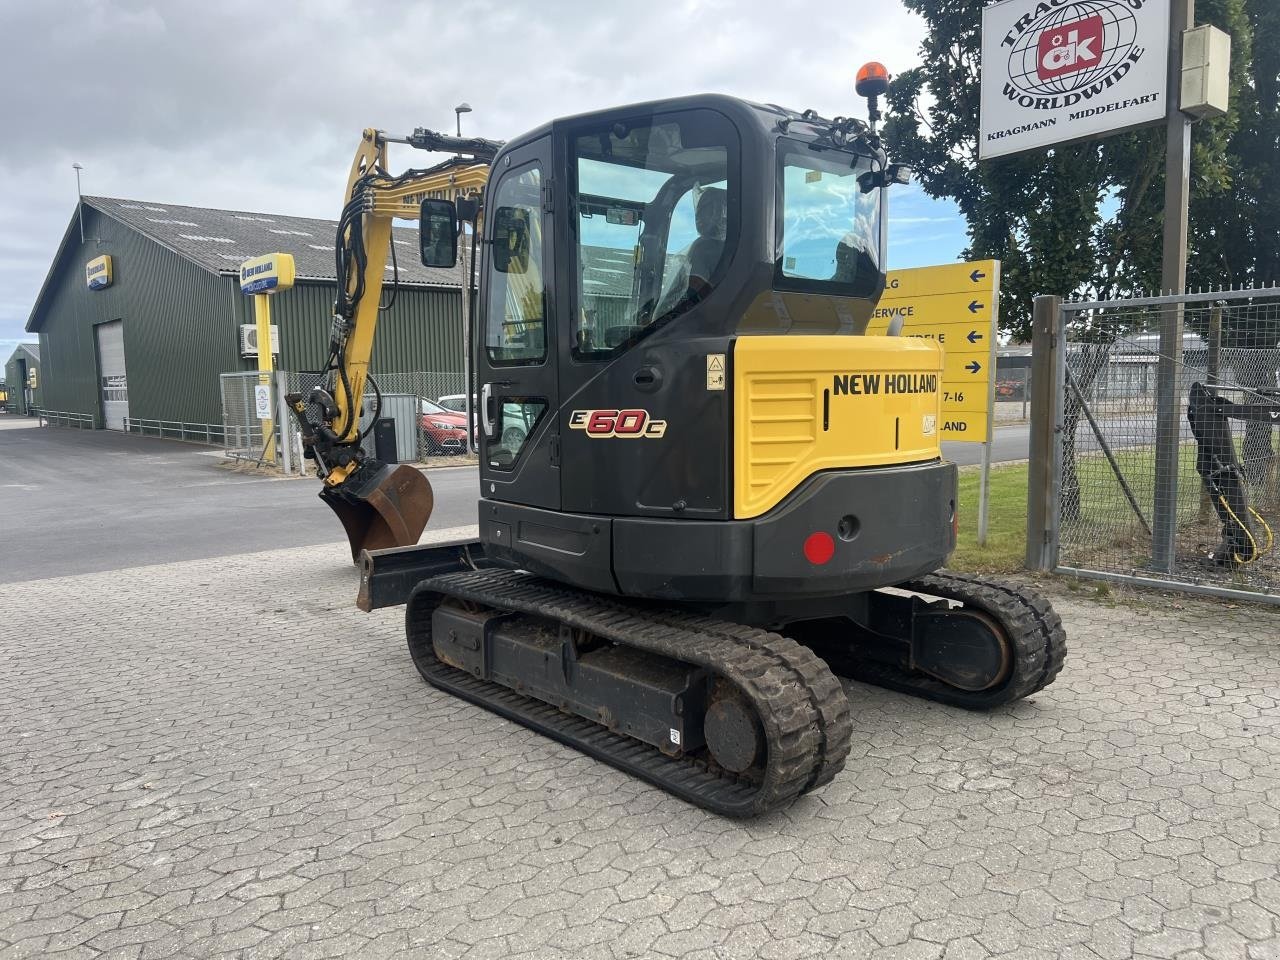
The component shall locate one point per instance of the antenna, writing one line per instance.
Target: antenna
(79, 200)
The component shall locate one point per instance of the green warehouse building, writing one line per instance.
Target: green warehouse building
(24, 388)
(138, 320)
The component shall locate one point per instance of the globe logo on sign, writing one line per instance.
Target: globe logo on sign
(1072, 47)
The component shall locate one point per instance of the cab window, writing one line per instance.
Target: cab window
(829, 229)
(515, 325)
(656, 212)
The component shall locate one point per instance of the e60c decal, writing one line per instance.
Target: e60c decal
(617, 423)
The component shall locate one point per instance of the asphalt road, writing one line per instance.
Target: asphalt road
(75, 502)
(85, 501)
(1011, 443)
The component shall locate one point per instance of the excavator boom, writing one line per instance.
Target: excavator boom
(380, 505)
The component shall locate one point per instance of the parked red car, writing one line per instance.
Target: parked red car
(444, 431)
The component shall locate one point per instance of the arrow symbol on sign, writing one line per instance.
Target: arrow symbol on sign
(974, 336)
(976, 276)
(974, 306)
(973, 366)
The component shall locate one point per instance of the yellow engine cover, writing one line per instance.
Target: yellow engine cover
(805, 404)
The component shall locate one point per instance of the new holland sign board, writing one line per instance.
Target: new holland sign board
(270, 274)
(97, 272)
(1055, 71)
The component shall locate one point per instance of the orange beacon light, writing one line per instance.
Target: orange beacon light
(873, 80)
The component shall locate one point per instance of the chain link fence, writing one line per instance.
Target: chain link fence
(1223, 500)
(243, 437)
(422, 417)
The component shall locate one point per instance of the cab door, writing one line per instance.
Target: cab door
(515, 349)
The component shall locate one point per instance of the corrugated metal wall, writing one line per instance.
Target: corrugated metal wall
(182, 328)
(179, 328)
(422, 331)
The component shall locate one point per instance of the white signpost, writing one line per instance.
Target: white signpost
(1055, 71)
(262, 400)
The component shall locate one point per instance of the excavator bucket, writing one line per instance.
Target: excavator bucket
(381, 506)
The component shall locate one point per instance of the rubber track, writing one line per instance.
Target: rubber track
(801, 705)
(1030, 622)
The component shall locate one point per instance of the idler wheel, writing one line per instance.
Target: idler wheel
(733, 732)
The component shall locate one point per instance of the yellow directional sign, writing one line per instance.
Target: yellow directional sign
(965, 368)
(963, 425)
(956, 398)
(957, 321)
(956, 305)
(980, 277)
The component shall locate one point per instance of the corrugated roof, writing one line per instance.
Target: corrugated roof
(32, 349)
(220, 240)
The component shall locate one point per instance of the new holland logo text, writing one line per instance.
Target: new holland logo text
(1066, 52)
(599, 424)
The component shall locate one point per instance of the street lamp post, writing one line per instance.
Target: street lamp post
(79, 200)
(458, 111)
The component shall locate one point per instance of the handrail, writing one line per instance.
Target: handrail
(65, 418)
(210, 433)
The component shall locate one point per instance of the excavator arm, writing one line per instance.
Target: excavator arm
(380, 505)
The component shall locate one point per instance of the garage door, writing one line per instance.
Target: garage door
(115, 388)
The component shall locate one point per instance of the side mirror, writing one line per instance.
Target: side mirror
(511, 239)
(438, 233)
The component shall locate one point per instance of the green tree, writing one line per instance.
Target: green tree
(1041, 212)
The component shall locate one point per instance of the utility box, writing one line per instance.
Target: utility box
(1206, 72)
(402, 410)
(384, 440)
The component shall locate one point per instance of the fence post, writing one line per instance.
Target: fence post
(1164, 512)
(1042, 506)
(1213, 365)
(284, 421)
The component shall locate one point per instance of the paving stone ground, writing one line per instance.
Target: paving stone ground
(223, 758)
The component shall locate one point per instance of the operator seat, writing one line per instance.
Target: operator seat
(705, 253)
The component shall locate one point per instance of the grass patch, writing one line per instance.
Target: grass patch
(1006, 546)
(1106, 523)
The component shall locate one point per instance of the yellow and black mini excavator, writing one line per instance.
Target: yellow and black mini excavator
(705, 493)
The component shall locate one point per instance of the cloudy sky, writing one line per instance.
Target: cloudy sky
(254, 106)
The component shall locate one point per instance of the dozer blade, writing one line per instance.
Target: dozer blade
(381, 506)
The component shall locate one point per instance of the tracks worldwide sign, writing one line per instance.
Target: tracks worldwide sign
(1055, 71)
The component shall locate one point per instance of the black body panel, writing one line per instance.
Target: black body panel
(888, 525)
(903, 524)
(685, 473)
(569, 547)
